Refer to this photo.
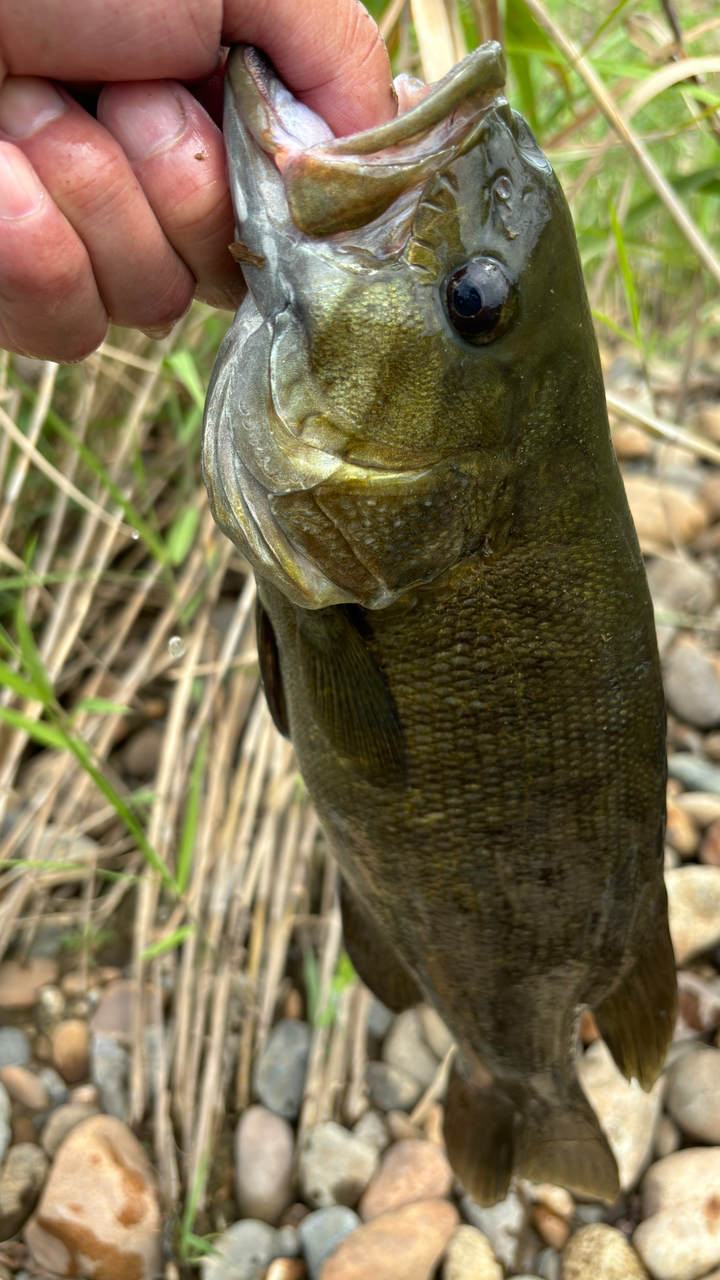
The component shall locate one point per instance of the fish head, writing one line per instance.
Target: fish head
(411, 290)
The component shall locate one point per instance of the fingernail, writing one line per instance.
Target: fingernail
(20, 191)
(143, 118)
(26, 104)
(158, 331)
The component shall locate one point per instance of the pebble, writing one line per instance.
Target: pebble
(692, 683)
(14, 1047)
(26, 1088)
(503, 1224)
(679, 1238)
(693, 1094)
(5, 1113)
(470, 1257)
(61, 1121)
(287, 1240)
(702, 806)
(334, 1167)
(693, 910)
(405, 1049)
(241, 1253)
(286, 1269)
(710, 845)
(436, 1033)
(680, 584)
(321, 1233)
(264, 1146)
(694, 772)
(55, 1085)
(552, 1229)
(630, 441)
(279, 1076)
(682, 832)
(141, 753)
(413, 1169)
(98, 1215)
(699, 1002)
(627, 1114)
(556, 1199)
(50, 1008)
(434, 1124)
(600, 1252)
(667, 1137)
(372, 1130)
(664, 515)
(109, 1069)
(391, 1089)
(380, 1019)
(85, 1093)
(70, 1046)
(22, 1176)
(115, 1013)
(406, 1244)
(549, 1265)
(20, 983)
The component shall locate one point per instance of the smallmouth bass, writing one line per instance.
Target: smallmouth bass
(406, 435)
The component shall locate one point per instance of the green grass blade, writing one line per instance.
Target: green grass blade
(626, 277)
(167, 944)
(186, 848)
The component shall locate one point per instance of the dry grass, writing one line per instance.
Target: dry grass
(123, 607)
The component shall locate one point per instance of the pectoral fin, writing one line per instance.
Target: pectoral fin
(374, 958)
(348, 696)
(270, 674)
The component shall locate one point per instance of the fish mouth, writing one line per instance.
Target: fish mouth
(339, 184)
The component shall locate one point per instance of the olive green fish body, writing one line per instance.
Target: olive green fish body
(454, 628)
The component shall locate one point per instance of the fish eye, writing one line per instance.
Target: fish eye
(479, 300)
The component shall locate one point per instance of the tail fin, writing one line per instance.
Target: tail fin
(489, 1138)
(636, 1021)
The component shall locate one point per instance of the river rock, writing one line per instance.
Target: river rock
(470, 1257)
(264, 1146)
(599, 1252)
(692, 683)
(627, 1114)
(709, 853)
(115, 1013)
(279, 1077)
(21, 983)
(109, 1069)
(679, 1238)
(22, 1176)
(372, 1130)
(334, 1166)
(413, 1169)
(693, 910)
(391, 1089)
(321, 1233)
(702, 806)
(664, 515)
(61, 1121)
(241, 1253)
(99, 1214)
(693, 1094)
(286, 1269)
(504, 1224)
(14, 1047)
(694, 772)
(436, 1033)
(405, 1048)
(680, 584)
(380, 1019)
(681, 832)
(667, 1137)
(406, 1244)
(25, 1087)
(70, 1048)
(55, 1085)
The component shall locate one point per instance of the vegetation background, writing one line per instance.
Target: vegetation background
(148, 810)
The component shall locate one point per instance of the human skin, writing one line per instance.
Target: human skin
(127, 217)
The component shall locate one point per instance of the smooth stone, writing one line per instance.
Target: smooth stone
(5, 1127)
(439, 1038)
(21, 983)
(549, 1265)
(405, 1049)
(391, 1089)
(694, 772)
(60, 1122)
(241, 1253)
(680, 584)
(406, 1244)
(667, 1138)
(702, 806)
(286, 1269)
(50, 1008)
(693, 1094)
(693, 910)
(109, 1064)
(664, 515)
(55, 1085)
(22, 1176)
(699, 1002)
(503, 1224)
(710, 845)
(70, 1048)
(141, 753)
(692, 683)
(556, 1199)
(551, 1228)
(279, 1076)
(372, 1130)
(99, 1214)
(628, 1116)
(14, 1047)
(321, 1233)
(334, 1167)
(264, 1148)
(681, 831)
(679, 1238)
(25, 1087)
(115, 1013)
(600, 1252)
(380, 1019)
(413, 1169)
(287, 1241)
(470, 1256)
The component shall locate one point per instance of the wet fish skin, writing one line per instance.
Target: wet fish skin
(456, 630)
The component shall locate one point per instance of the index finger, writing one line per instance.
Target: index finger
(328, 51)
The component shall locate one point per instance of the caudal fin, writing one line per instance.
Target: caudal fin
(489, 1139)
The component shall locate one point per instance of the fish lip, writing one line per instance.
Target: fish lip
(339, 184)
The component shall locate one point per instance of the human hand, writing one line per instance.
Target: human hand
(127, 217)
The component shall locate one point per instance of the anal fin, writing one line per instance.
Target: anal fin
(637, 1020)
(374, 958)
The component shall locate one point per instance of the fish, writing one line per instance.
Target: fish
(406, 436)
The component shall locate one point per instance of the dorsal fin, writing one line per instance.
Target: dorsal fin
(348, 695)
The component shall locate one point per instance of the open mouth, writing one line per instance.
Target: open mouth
(338, 184)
